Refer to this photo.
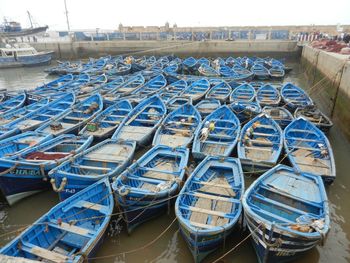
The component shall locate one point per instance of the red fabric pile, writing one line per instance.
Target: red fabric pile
(329, 45)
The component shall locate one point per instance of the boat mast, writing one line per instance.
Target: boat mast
(30, 19)
(65, 6)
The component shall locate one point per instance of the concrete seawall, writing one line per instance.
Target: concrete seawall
(73, 50)
(329, 74)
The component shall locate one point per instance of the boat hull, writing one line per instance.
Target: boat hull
(277, 246)
(26, 61)
(14, 187)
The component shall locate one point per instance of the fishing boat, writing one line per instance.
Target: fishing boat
(177, 102)
(179, 127)
(207, 106)
(104, 160)
(146, 188)
(16, 144)
(107, 121)
(227, 72)
(260, 72)
(26, 173)
(20, 112)
(22, 55)
(280, 115)
(172, 90)
(244, 110)
(218, 134)
(207, 71)
(126, 88)
(189, 63)
(268, 95)
(57, 83)
(287, 214)
(70, 232)
(309, 150)
(142, 121)
(276, 72)
(118, 69)
(244, 92)
(260, 144)
(220, 92)
(209, 205)
(44, 114)
(197, 90)
(294, 97)
(151, 87)
(79, 115)
(108, 86)
(13, 103)
(317, 117)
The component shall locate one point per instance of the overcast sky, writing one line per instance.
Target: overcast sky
(107, 14)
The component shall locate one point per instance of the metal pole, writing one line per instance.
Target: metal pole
(65, 7)
(30, 19)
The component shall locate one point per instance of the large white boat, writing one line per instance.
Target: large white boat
(22, 55)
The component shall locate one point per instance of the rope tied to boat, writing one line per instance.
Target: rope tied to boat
(10, 170)
(42, 171)
(62, 185)
(278, 241)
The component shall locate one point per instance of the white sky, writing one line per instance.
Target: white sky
(107, 14)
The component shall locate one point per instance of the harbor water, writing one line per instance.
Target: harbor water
(150, 242)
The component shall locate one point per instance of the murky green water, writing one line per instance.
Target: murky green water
(171, 247)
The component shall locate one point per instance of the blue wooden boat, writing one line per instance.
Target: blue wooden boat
(189, 63)
(44, 114)
(276, 72)
(104, 160)
(151, 87)
(287, 214)
(79, 115)
(227, 72)
(280, 115)
(207, 106)
(70, 232)
(26, 173)
(197, 90)
(16, 144)
(142, 121)
(152, 180)
(245, 111)
(176, 102)
(127, 87)
(6, 132)
(20, 112)
(13, 103)
(110, 85)
(118, 69)
(220, 92)
(268, 95)
(260, 144)
(23, 55)
(244, 92)
(209, 205)
(309, 150)
(172, 90)
(207, 71)
(107, 121)
(179, 127)
(316, 116)
(294, 97)
(260, 72)
(218, 134)
(202, 61)
(57, 83)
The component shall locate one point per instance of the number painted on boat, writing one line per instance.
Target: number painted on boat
(284, 253)
(70, 191)
(26, 172)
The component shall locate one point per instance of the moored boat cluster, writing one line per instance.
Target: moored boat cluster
(78, 135)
